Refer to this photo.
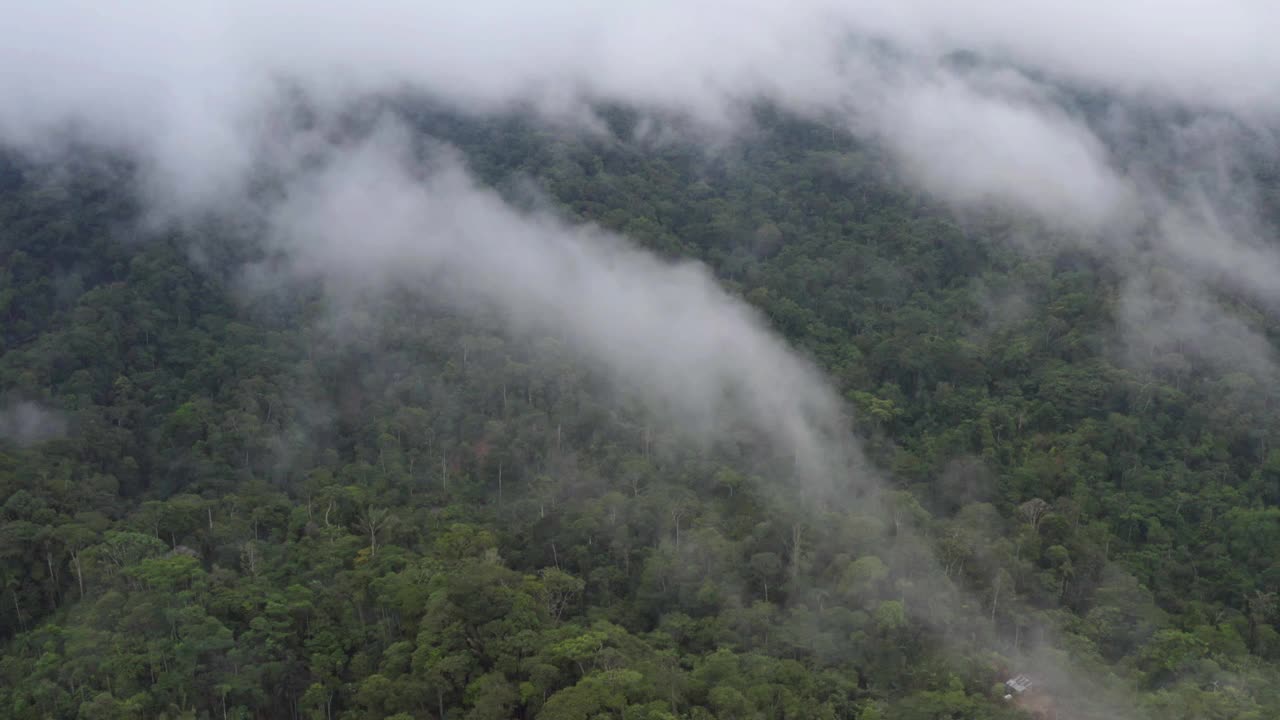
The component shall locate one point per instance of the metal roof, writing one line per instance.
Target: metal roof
(1019, 683)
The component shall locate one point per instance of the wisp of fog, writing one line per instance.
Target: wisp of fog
(373, 219)
(26, 423)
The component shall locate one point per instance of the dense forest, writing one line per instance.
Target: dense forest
(221, 505)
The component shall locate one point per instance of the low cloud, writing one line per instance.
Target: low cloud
(666, 332)
(26, 423)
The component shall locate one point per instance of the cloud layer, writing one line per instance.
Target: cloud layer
(191, 85)
(194, 89)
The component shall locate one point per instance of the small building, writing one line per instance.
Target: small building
(1017, 685)
(1032, 699)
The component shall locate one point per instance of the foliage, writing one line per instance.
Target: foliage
(252, 518)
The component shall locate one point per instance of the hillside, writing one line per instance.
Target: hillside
(225, 502)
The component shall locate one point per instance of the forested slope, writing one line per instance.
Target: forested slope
(249, 505)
